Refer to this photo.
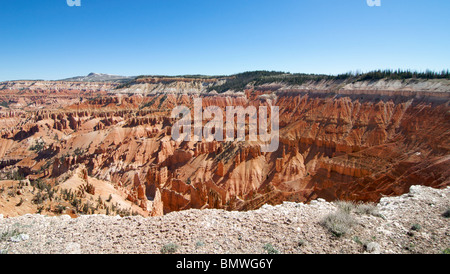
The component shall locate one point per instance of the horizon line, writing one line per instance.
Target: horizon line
(349, 72)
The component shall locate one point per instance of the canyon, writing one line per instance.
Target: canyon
(79, 147)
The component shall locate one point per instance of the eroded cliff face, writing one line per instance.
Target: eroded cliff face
(354, 145)
(172, 85)
(51, 86)
(30, 95)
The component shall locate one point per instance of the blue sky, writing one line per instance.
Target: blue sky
(47, 39)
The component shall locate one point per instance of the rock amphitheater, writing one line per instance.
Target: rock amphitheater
(90, 167)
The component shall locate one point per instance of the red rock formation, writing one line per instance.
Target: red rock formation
(220, 169)
(158, 205)
(349, 146)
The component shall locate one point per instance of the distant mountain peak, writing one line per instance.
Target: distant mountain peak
(98, 77)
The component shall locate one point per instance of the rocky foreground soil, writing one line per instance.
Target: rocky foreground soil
(416, 222)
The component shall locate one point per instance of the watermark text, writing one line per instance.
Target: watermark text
(74, 3)
(235, 127)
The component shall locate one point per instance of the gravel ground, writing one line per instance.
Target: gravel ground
(411, 223)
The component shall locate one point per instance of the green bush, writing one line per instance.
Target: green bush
(169, 248)
(39, 198)
(270, 249)
(15, 176)
(38, 146)
(416, 227)
(8, 233)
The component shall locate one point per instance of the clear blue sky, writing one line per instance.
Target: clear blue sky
(47, 39)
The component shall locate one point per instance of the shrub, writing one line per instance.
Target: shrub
(416, 227)
(345, 206)
(357, 240)
(367, 208)
(87, 208)
(339, 223)
(78, 151)
(86, 188)
(169, 248)
(99, 201)
(76, 203)
(67, 195)
(8, 233)
(123, 212)
(15, 175)
(12, 193)
(39, 198)
(60, 209)
(38, 146)
(41, 185)
(270, 249)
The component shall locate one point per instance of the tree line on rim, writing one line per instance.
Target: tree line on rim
(240, 81)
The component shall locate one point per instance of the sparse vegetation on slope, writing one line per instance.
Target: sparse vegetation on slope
(290, 228)
(169, 248)
(270, 249)
(339, 223)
